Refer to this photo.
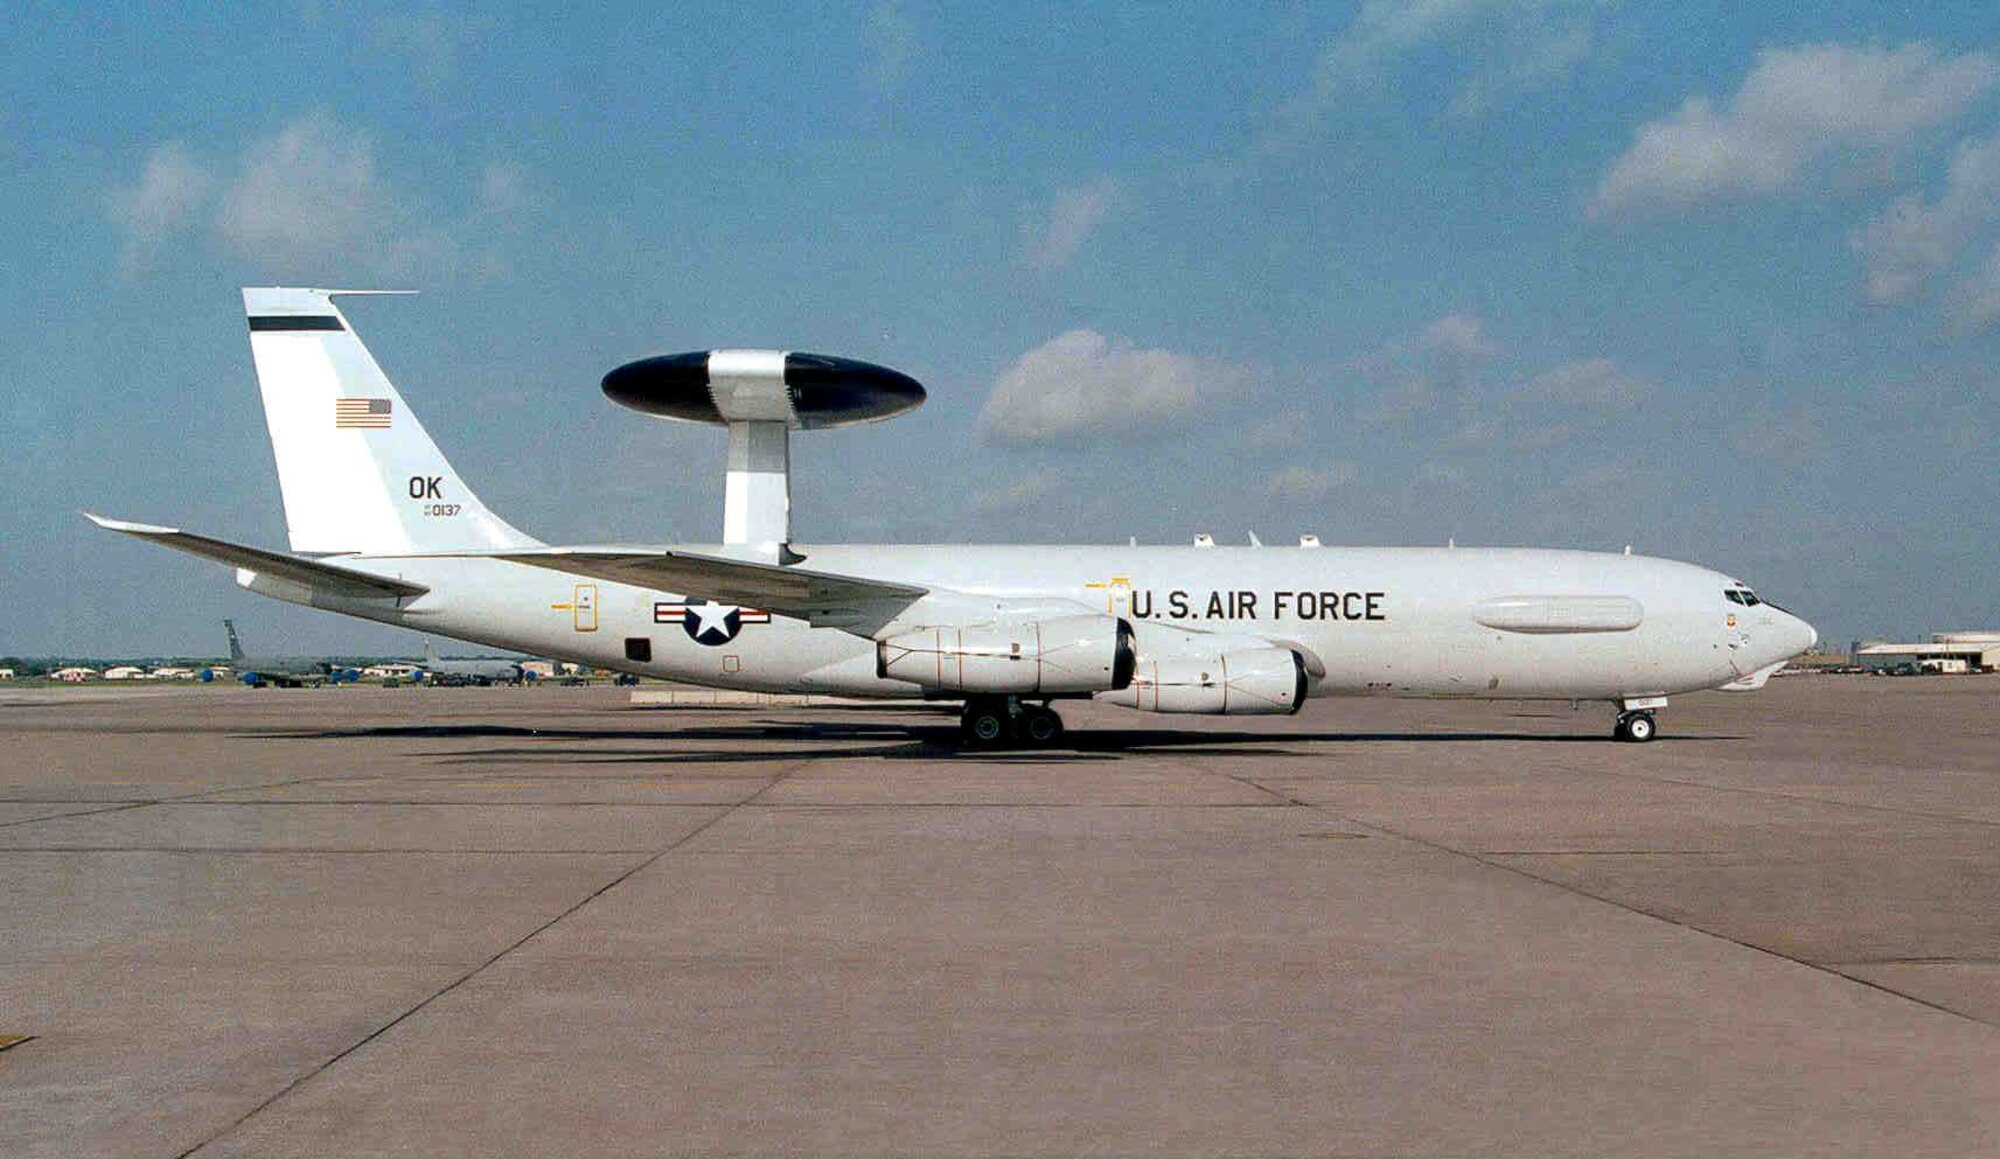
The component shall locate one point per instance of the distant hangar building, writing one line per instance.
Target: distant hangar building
(1944, 652)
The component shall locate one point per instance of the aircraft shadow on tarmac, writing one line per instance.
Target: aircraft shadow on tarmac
(927, 740)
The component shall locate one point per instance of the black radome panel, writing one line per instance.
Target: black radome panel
(825, 391)
(673, 386)
(833, 392)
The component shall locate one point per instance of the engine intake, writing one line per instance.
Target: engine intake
(1062, 655)
(1243, 682)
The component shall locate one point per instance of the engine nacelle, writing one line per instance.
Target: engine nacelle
(1061, 655)
(1264, 681)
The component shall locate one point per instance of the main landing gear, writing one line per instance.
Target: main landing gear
(996, 721)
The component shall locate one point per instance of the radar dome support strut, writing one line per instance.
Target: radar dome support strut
(757, 488)
(761, 396)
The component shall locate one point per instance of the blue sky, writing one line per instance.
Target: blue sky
(1714, 281)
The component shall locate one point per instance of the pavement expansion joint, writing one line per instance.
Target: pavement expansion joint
(1287, 798)
(1607, 852)
(1829, 802)
(1915, 960)
(654, 856)
(324, 850)
(1692, 926)
(118, 808)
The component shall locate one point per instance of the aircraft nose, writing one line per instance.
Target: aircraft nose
(1804, 635)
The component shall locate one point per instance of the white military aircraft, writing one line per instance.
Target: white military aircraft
(477, 670)
(381, 527)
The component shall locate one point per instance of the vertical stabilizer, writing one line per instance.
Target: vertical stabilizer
(358, 471)
(235, 646)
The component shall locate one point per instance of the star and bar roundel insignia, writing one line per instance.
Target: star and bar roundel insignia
(708, 622)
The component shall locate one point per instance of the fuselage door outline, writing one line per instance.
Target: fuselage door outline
(1117, 596)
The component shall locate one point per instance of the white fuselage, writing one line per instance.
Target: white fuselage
(1379, 621)
(381, 526)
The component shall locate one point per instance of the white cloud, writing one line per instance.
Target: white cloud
(1975, 301)
(1412, 376)
(891, 39)
(1276, 432)
(1076, 214)
(310, 197)
(1595, 385)
(1793, 440)
(1461, 336)
(431, 42)
(1511, 46)
(310, 202)
(1440, 474)
(1795, 106)
(168, 197)
(1309, 484)
(1027, 494)
(1082, 384)
(1535, 55)
(1385, 29)
(504, 190)
(1615, 480)
(1912, 242)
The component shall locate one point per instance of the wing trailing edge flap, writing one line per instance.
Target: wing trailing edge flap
(823, 599)
(328, 578)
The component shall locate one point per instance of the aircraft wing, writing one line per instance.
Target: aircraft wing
(823, 599)
(327, 577)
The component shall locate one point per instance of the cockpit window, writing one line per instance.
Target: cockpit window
(1743, 596)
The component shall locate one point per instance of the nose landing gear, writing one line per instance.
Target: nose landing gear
(1635, 718)
(996, 721)
(1637, 727)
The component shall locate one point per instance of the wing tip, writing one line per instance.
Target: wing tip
(127, 526)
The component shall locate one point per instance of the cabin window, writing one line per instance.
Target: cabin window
(639, 649)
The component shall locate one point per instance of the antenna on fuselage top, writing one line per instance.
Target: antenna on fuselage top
(761, 396)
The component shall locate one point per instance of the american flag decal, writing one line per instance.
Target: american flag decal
(361, 414)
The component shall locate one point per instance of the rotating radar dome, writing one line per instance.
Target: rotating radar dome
(806, 392)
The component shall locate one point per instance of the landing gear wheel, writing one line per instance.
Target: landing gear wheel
(1041, 726)
(1637, 727)
(985, 723)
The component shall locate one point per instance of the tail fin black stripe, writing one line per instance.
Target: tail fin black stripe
(259, 322)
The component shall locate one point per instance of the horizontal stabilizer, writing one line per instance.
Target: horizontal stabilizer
(822, 598)
(325, 577)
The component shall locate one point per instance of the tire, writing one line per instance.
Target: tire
(985, 725)
(1640, 728)
(1041, 727)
